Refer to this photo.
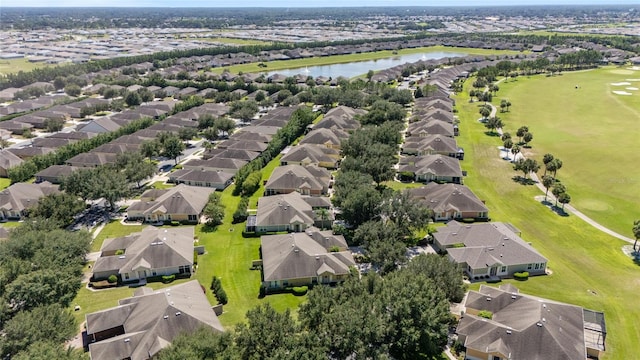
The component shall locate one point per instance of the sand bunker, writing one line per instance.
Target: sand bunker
(622, 93)
(620, 83)
(631, 88)
(632, 79)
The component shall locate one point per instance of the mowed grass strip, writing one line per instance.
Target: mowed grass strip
(592, 130)
(589, 268)
(11, 66)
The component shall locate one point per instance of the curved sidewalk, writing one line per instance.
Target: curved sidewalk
(569, 208)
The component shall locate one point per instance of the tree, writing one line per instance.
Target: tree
(521, 131)
(383, 245)
(47, 350)
(485, 111)
(527, 166)
(59, 207)
(187, 133)
(558, 189)
(493, 123)
(133, 99)
(515, 150)
(54, 125)
(503, 105)
(505, 136)
(204, 343)
(214, 210)
(346, 182)
(323, 214)
(636, 233)
(265, 331)
(135, 167)
(41, 287)
(150, 148)
(79, 183)
(405, 213)
(225, 125)
(508, 145)
(59, 83)
(527, 137)
(547, 181)
(47, 323)
(554, 166)
(370, 74)
(361, 205)
(546, 159)
(172, 147)
(73, 90)
(563, 199)
(444, 273)
(4, 143)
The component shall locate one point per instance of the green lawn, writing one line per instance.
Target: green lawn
(4, 183)
(228, 256)
(113, 229)
(592, 130)
(161, 185)
(15, 65)
(338, 59)
(396, 185)
(581, 258)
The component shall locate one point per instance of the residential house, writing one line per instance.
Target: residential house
(215, 164)
(432, 144)
(151, 252)
(528, 327)
(306, 258)
(7, 161)
(207, 178)
(92, 159)
(429, 168)
(307, 180)
(142, 325)
(288, 212)
(55, 173)
(19, 197)
(331, 138)
(244, 155)
(307, 154)
(450, 202)
(432, 127)
(248, 145)
(100, 125)
(179, 203)
(488, 249)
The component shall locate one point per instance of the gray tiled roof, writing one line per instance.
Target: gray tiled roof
(151, 320)
(431, 143)
(333, 137)
(311, 154)
(20, 196)
(297, 177)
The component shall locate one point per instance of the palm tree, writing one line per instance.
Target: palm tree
(557, 166)
(323, 214)
(564, 198)
(636, 233)
(547, 182)
(558, 189)
(515, 150)
(508, 144)
(547, 158)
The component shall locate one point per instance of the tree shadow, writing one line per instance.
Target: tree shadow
(523, 180)
(209, 228)
(558, 210)
(492, 133)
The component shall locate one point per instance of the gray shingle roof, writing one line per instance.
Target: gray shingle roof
(283, 209)
(486, 244)
(20, 196)
(523, 327)
(438, 165)
(151, 320)
(297, 177)
(152, 247)
(299, 255)
(443, 197)
(181, 199)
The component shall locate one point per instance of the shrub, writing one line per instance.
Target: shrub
(195, 257)
(119, 252)
(168, 278)
(175, 223)
(112, 279)
(485, 314)
(241, 213)
(524, 275)
(218, 291)
(334, 248)
(299, 290)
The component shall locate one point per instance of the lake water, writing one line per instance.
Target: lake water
(357, 68)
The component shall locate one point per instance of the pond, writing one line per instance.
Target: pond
(357, 68)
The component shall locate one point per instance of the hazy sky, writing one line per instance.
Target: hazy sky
(303, 3)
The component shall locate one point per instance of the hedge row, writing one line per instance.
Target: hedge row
(218, 291)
